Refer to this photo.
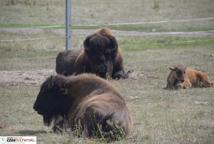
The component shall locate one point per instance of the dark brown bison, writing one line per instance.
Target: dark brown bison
(65, 62)
(182, 77)
(100, 55)
(84, 103)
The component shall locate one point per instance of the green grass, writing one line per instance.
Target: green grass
(41, 51)
(28, 51)
(101, 12)
(164, 42)
(106, 13)
(161, 27)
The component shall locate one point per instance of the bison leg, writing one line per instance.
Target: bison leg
(205, 81)
(60, 125)
(184, 85)
(120, 74)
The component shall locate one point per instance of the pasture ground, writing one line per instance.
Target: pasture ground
(27, 57)
(98, 13)
(160, 116)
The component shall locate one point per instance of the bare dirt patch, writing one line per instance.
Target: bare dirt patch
(32, 77)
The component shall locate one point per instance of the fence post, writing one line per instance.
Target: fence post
(68, 24)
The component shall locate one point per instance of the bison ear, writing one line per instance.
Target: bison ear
(172, 68)
(114, 42)
(60, 81)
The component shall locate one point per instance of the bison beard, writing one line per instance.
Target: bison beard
(100, 56)
(86, 104)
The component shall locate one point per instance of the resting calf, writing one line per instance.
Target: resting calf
(182, 77)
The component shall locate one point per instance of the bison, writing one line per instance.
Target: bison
(65, 62)
(100, 55)
(86, 104)
(183, 77)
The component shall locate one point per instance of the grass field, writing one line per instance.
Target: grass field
(27, 57)
(160, 116)
(104, 12)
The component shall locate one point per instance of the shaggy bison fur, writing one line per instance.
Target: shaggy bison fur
(100, 55)
(182, 77)
(65, 62)
(85, 104)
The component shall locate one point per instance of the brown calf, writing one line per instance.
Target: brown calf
(182, 77)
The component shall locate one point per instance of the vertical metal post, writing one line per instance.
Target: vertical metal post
(68, 24)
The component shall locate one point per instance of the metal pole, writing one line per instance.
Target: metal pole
(68, 24)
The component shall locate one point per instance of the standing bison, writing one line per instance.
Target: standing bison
(182, 77)
(86, 104)
(100, 55)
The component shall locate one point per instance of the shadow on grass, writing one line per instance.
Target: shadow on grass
(31, 132)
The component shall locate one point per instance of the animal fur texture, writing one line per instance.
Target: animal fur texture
(85, 104)
(183, 77)
(100, 55)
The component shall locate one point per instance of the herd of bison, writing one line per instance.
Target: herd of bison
(81, 100)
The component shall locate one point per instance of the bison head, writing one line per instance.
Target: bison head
(101, 49)
(50, 102)
(180, 71)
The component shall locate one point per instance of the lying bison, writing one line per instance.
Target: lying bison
(100, 55)
(182, 77)
(85, 104)
(65, 62)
